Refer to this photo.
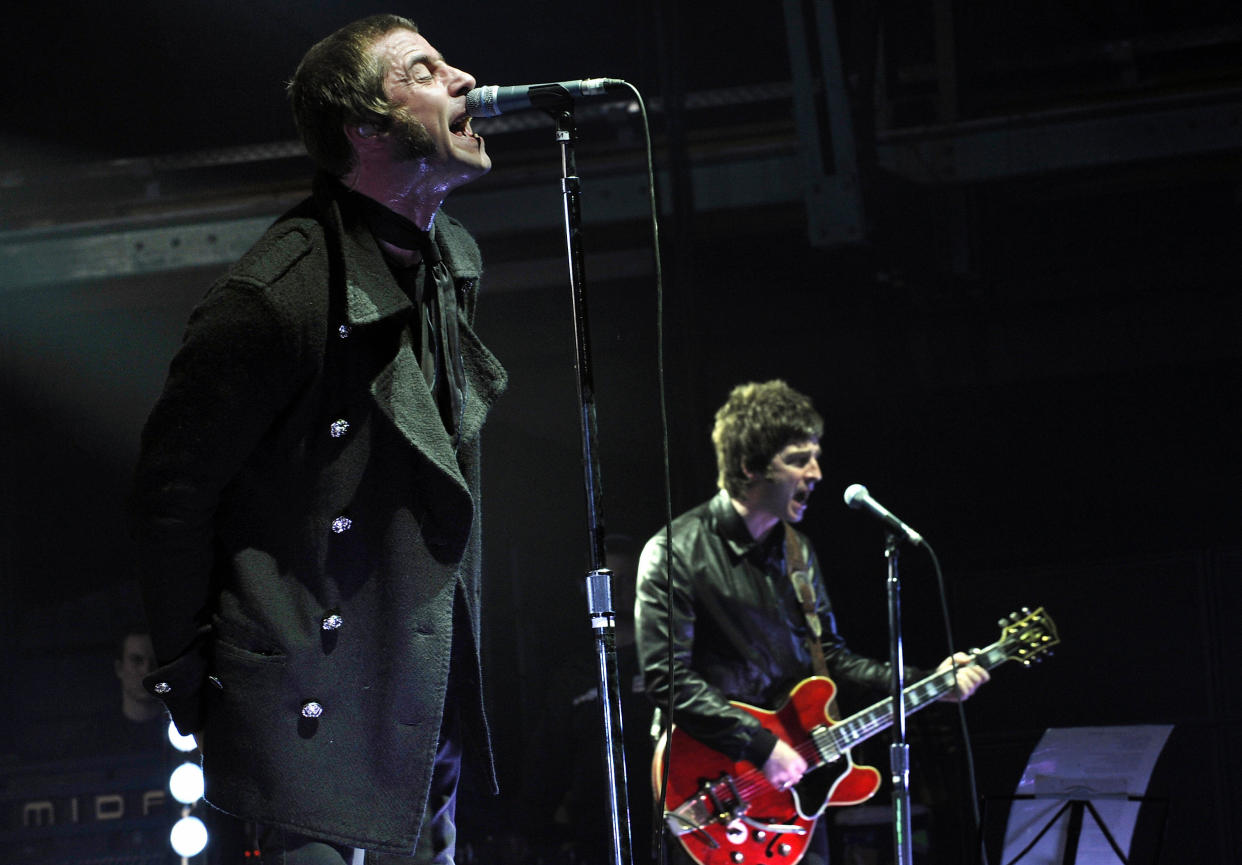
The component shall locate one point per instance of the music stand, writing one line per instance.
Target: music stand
(1074, 810)
(1098, 771)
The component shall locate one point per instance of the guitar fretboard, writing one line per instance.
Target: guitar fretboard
(832, 742)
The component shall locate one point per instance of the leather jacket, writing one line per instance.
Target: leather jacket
(738, 629)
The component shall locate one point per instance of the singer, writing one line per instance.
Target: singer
(306, 501)
(739, 628)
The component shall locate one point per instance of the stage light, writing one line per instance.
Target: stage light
(188, 836)
(185, 744)
(186, 783)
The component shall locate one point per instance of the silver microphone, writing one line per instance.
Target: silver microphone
(857, 497)
(490, 101)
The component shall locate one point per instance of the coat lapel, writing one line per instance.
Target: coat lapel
(373, 299)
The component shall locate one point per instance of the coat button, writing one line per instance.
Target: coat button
(162, 688)
(342, 524)
(339, 428)
(332, 621)
(311, 709)
(343, 331)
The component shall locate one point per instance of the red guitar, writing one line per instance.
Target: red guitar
(726, 812)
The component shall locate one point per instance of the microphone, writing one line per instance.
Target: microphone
(857, 497)
(491, 100)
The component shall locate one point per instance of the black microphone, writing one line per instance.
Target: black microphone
(857, 497)
(491, 100)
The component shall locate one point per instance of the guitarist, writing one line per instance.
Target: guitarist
(739, 629)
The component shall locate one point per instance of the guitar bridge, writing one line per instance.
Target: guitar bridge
(716, 802)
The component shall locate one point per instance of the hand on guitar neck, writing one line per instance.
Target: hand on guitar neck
(785, 767)
(969, 676)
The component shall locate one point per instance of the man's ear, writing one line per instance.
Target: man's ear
(360, 134)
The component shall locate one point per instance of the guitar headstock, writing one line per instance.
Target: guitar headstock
(1027, 635)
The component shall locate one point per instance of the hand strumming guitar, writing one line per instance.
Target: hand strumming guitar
(784, 766)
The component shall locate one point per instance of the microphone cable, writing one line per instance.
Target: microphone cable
(657, 849)
(967, 746)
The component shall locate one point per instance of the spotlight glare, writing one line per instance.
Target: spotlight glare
(186, 783)
(188, 837)
(185, 744)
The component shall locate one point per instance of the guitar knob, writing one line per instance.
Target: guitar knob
(784, 849)
(737, 857)
(760, 835)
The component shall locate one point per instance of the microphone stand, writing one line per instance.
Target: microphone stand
(899, 751)
(598, 578)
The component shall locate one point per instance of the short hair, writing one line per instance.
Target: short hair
(340, 81)
(756, 422)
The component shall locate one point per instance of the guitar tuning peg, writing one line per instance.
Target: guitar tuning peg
(1002, 622)
(1026, 611)
(1014, 617)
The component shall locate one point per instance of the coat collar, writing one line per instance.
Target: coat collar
(372, 297)
(732, 529)
(371, 293)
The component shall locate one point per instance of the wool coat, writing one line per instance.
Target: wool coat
(308, 533)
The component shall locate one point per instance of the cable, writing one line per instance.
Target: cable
(968, 748)
(657, 823)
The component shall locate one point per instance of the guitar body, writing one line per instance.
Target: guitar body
(726, 813)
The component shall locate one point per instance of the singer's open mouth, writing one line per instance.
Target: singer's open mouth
(461, 126)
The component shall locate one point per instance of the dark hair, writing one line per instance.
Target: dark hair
(754, 424)
(340, 81)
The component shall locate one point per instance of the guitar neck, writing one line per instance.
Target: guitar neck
(839, 738)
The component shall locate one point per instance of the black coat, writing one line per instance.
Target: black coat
(306, 529)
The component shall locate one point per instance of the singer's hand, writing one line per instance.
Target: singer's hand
(784, 767)
(969, 676)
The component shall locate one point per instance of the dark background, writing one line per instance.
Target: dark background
(1029, 348)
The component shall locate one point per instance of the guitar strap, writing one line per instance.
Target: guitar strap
(795, 564)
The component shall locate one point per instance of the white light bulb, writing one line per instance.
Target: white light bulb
(184, 744)
(186, 783)
(188, 836)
